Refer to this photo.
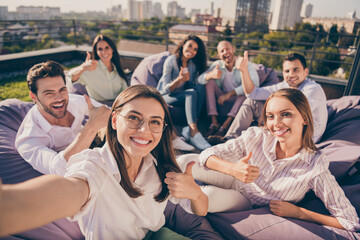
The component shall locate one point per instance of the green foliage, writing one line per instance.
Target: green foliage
(14, 88)
(325, 68)
(274, 62)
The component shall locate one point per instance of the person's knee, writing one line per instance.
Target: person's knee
(225, 200)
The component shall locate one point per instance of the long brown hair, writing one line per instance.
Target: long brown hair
(200, 57)
(301, 103)
(115, 56)
(163, 152)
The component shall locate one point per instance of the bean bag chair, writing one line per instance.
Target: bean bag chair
(14, 169)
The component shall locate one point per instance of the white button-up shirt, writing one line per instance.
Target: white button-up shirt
(41, 144)
(109, 212)
(286, 179)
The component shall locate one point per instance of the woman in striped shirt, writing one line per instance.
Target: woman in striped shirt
(275, 165)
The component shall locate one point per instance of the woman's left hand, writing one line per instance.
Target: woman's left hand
(182, 185)
(284, 209)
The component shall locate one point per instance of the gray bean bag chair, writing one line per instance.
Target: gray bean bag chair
(340, 143)
(14, 169)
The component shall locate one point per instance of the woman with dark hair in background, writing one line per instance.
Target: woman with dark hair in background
(101, 72)
(179, 85)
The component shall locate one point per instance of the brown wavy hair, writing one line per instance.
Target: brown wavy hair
(115, 56)
(200, 57)
(301, 103)
(163, 152)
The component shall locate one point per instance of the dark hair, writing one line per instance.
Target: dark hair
(200, 57)
(296, 56)
(115, 56)
(301, 103)
(43, 70)
(163, 152)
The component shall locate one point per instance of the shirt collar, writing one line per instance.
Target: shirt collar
(40, 119)
(303, 154)
(112, 164)
(104, 67)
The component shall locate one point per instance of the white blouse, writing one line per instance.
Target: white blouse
(109, 212)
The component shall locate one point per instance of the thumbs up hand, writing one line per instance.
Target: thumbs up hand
(184, 75)
(244, 171)
(89, 64)
(216, 73)
(182, 185)
(98, 116)
(242, 62)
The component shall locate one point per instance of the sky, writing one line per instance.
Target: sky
(322, 8)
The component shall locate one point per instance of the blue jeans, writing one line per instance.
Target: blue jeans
(192, 99)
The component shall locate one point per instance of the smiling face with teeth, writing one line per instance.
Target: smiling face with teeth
(284, 121)
(104, 51)
(226, 53)
(52, 99)
(138, 142)
(190, 50)
(294, 73)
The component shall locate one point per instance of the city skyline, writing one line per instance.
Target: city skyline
(334, 8)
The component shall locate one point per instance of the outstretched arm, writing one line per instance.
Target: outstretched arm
(286, 209)
(39, 201)
(241, 170)
(182, 185)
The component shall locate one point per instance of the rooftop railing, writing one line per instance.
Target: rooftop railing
(326, 52)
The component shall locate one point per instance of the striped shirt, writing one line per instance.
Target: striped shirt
(287, 179)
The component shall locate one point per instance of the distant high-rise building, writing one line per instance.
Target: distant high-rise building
(145, 10)
(132, 10)
(246, 15)
(286, 14)
(212, 9)
(116, 11)
(3, 12)
(157, 10)
(194, 12)
(175, 10)
(306, 10)
(172, 9)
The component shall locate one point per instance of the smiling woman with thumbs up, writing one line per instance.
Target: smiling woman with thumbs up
(101, 72)
(118, 191)
(179, 85)
(276, 165)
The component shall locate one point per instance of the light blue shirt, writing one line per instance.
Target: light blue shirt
(171, 71)
(236, 74)
(314, 94)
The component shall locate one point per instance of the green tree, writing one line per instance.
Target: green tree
(327, 60)
(333, 34)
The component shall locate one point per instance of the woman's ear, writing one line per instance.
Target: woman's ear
(113, 120)
(305, 123)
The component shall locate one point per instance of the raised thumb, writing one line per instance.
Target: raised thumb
(246, 158)
(88, 102)
(88, 56)
(246, 55)
(189, 167)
